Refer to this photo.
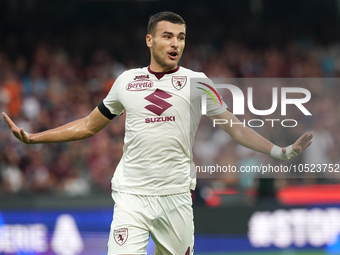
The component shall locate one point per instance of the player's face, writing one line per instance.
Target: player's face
(166, 46)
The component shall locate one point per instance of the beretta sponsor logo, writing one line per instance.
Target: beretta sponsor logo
(139, 85)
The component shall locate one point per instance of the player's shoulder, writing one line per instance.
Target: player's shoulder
(133, 72)
(191, 73)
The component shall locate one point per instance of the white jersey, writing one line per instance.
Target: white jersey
(162, 116)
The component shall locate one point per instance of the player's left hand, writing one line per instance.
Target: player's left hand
(302, 143)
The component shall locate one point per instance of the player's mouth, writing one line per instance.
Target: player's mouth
(173, 54)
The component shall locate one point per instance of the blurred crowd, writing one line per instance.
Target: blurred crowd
(45, 92)
(51, 88)
(299, 64)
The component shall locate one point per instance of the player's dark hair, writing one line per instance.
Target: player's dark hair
(163, 16)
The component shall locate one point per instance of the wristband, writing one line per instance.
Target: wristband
(276, 152)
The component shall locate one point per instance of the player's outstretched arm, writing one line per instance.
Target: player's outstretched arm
(76, 130)
(249, 138)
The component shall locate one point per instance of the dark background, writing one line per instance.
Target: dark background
(120, 26)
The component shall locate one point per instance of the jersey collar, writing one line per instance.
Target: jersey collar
(159, 75)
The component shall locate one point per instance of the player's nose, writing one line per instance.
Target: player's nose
(174, 43)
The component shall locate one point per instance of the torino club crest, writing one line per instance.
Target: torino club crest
(179, 82)
(120, 235)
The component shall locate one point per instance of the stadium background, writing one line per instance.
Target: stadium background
(58, 60)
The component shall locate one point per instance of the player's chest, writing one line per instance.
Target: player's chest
(152, 96)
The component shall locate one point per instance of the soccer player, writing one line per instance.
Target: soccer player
(152, 182)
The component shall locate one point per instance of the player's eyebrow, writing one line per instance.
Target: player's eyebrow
(171, 33)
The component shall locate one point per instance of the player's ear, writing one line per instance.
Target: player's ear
(148, 39)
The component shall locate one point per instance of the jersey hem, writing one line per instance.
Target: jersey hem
(152, 192)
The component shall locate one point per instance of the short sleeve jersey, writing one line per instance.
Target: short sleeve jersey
(162, 116)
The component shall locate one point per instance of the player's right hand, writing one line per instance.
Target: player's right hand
(17, 132)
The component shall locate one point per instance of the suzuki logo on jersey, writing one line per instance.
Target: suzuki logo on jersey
(159, 105)
(160, 119)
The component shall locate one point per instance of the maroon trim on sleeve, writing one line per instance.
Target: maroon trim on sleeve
(159, 75)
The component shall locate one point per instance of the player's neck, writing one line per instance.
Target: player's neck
(155, 68)
(160, 75)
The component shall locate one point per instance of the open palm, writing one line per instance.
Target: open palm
(17, 132)
(302, 143)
